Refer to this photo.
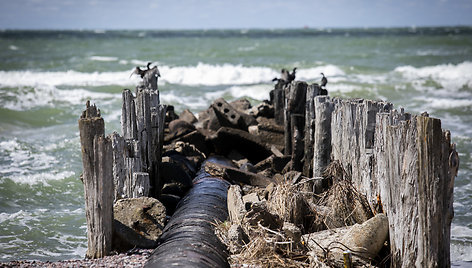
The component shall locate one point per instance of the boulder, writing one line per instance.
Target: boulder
(188, 116)
(228, 114)
(138, 222)
(241, 105)
(250, 146)
(236, 175)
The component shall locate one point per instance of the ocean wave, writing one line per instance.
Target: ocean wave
(68, 78)
(23, 163)
(213, 75)
(103, 58)
(449, 76)
(28, 98)
(200, 74)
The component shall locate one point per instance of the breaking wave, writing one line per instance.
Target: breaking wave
(449, 76)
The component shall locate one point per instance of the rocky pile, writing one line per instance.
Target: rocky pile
(278, 217)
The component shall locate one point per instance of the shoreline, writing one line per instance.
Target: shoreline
(131, 258)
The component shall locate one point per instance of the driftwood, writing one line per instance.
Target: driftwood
(98, 182)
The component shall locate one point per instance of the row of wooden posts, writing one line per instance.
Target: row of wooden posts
(406, 161)
(120, 166)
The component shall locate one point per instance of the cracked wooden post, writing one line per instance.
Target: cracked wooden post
(322, 134)
(98, 182)
(295, 98)
(312, 91)
(415, 166)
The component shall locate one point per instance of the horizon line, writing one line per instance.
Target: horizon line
(307, 27)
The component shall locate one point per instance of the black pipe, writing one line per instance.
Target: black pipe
(188, 239)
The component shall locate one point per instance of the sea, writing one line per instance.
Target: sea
(46, 77)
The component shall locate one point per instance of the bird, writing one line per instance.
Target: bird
(324, 81)
(291, 76)
(138, 71)
(142, 73)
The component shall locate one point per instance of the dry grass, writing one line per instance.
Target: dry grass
(347, 205)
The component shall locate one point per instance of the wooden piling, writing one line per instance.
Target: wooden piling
(322, 134)
(98, 182)
(407, 162)
(295, 98)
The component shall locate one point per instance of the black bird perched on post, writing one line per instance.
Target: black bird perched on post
(141, 72)
(291, 76)
(324, 81)
(138, 71)
(286, 76)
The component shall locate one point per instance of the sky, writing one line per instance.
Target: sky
(229, 14)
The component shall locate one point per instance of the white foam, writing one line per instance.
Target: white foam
(212, 75)
(445, 103)
(27, 165)
(44, 177)
(449, 76)
(201, 74)
(314, 73)
(103, 58)
(28, 98)
(69, 78)
(13, 47)
(257, 92)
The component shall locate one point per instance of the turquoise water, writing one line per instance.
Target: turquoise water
(46, 77)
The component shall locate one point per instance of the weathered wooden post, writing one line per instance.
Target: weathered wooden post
(295, 98)
(322, 135)
(416, 166)
(279, 97)
(98, 182)
(312, 91)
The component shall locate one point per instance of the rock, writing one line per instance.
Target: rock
(236, 175)
(271, 133)
(250, 198)
(236, 208)
(227, 115)
(263, 109)
(237, 238)
(180, 127)
(197, 139)
(178, 173)
(248, 167)
(369, 237)
(258, 213)
(191, 152)
(188, 116)
(250, 146)
(138, 222)
(241, 105)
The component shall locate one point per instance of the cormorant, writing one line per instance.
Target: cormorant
(138, 71)
(141, 72)
(324, 81)
(291, 76)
